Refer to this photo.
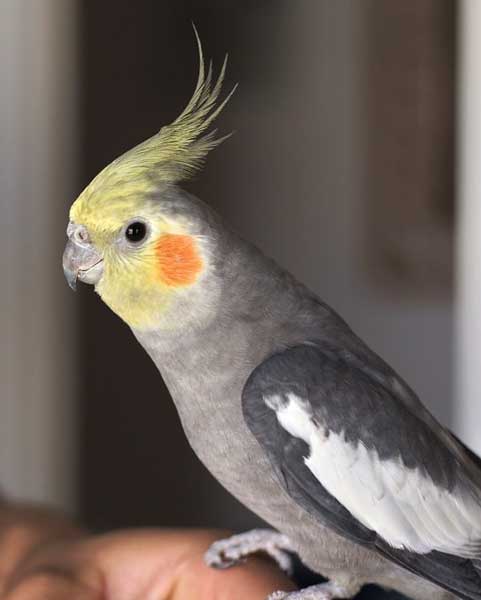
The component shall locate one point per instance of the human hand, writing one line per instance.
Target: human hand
(150, 564)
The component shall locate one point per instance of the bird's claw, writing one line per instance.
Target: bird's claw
(323, 591)
(277, 596)
(221, 559)
(234, 550)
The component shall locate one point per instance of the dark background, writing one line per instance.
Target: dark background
(341, 164)
(139, 69)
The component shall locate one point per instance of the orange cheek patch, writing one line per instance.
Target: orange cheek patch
(178, 259)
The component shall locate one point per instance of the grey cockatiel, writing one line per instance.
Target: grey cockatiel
(281, 401)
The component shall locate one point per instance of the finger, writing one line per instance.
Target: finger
(55, 570)
(43, 586)
(169, 565)
(143, 560)
(24, 529)
(255, 579)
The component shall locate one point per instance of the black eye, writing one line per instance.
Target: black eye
(136, 231)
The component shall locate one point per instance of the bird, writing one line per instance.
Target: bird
(282, 402)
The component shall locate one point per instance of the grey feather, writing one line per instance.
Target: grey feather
(252, 310)
(345, 400)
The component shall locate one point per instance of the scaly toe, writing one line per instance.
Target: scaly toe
(323, 591)
(277, 596)
(234, 550)
(220, 556)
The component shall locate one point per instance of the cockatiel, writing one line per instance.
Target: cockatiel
(281, 401)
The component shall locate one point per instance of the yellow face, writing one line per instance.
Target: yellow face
(148, 264)
(144, 259)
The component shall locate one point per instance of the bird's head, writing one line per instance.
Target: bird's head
(135, 235)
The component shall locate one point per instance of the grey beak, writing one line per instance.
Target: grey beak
(68, 262)
(81, 262)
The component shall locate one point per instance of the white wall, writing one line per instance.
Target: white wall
(37, 337)
(468, 415)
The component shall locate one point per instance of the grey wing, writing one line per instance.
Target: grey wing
(354, 455)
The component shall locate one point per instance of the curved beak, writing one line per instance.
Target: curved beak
(81, 261)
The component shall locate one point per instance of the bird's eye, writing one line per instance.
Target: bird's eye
(136, 231)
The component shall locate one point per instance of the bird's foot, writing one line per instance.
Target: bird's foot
(234, 550)
(324, 591)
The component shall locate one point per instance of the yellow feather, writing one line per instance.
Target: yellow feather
(131, 283)
(171, 155)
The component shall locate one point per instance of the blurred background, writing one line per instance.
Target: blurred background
(354, 164)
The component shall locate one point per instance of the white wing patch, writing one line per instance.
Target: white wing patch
(402, 505)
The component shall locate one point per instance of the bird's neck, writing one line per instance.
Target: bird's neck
(252, 309)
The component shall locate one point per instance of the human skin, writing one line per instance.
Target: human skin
(45, 555)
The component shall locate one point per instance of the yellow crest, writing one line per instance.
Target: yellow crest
(178, 149)
(171, 155)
